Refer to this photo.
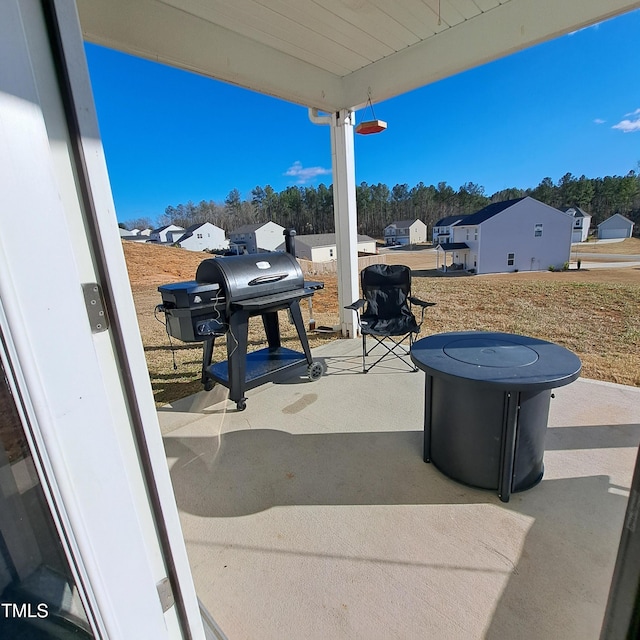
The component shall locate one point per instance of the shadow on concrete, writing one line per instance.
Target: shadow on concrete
(248, 471)
(592, 437)
(570, 539)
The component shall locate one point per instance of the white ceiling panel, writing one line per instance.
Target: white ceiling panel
(333, 54)
(468, 8)
(376, 21)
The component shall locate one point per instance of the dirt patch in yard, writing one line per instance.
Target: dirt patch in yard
(592, 312)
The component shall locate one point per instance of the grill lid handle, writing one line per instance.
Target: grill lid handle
(275, 277)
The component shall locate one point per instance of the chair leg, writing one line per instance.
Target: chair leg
(364, 353)
(390, 351)
(412, 339)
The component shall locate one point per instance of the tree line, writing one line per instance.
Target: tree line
(309, 209)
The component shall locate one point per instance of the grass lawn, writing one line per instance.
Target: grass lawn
(595, 313)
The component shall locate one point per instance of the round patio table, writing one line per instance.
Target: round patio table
(487, 398)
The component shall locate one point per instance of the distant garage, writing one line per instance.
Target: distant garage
(617, 226)
(321, 247)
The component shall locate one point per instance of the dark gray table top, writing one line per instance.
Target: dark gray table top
(498, 360)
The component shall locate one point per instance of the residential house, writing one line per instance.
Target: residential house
(203, 236)
(132, 235)
(516, 235)
(405, 232)
(617, 226)
(581, 224)
(135, 238)
(443, 229)
(164, 234)
(253, 238)
(321, 247)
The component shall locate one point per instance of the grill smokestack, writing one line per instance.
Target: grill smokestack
(290, 241)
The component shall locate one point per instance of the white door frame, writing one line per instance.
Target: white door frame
(86, 387)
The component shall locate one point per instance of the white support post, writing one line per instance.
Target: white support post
(345, 216)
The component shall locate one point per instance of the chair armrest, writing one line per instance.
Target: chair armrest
(421, 303)
(357, 305)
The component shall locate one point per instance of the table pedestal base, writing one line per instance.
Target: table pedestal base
(490, 439)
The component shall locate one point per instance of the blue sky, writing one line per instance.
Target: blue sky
(569, 105)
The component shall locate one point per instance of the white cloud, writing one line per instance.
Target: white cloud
(305, 174)
(599, 121)
(630, 124)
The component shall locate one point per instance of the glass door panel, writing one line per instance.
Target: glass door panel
(39, 599)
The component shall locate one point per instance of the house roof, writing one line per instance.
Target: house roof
(452, 246)
(448, 221)
(247, 228)
(617, 215)
(489, 211)
(332, 54)
(403, 223)
(193, 227)
(250, 228)
(577, 212)
(326, 239)
(166, 226)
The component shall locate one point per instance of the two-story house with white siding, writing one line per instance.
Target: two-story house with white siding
(405, 232)
(201, 237)
(516, 235)
(253, 238)
(165, 233)
(581, 224)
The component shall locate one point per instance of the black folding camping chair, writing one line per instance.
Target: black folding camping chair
(388, 316)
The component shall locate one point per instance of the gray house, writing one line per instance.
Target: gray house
(516, 235)
(617, 226)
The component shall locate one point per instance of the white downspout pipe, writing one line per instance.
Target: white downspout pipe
(344, 212)
(318, 119)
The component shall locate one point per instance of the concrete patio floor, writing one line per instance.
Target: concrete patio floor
(311, 515)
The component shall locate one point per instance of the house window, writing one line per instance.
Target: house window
(199, 235)
(331, 253)
(538, 231)
(475, 234)
(511, 258)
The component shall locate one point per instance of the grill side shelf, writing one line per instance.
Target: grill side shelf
(263, 302)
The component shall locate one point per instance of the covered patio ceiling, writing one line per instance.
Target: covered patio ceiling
(333, 54)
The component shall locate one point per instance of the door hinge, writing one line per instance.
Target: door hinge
(95, 307)
(165, 593)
